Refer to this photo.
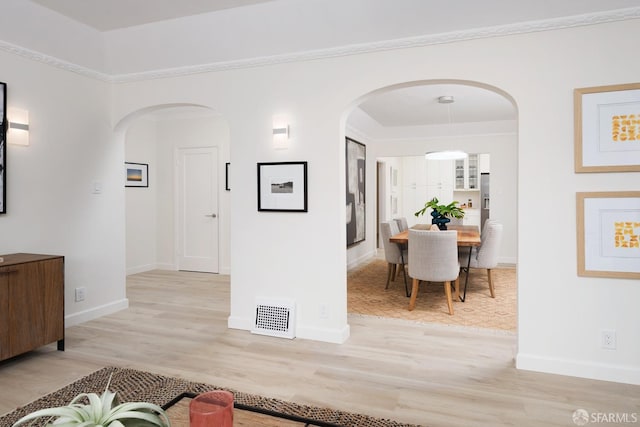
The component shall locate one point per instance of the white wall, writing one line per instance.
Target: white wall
(303, 256)
(141, 210)
(51, 207)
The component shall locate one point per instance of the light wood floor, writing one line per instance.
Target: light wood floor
(411, 372)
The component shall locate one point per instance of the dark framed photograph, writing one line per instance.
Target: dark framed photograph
(607, 128)
(3, 148)
(356, 157)
(226, 176)
(282, 187)
(136, 174)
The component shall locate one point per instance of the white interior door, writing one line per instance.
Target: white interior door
(198, 209)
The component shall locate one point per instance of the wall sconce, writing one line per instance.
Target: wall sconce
(281, 136)
(18, 130)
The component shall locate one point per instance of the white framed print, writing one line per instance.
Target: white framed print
(607, 128)
(609, 234)
(282, 187)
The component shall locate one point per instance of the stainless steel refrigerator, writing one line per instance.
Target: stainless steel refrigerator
(485, 204)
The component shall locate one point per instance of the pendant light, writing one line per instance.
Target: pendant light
(446, 154)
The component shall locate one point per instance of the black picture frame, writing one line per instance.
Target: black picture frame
(226, 176)
(4, 124)
(282, 187)
(136, 174)
(356, 159)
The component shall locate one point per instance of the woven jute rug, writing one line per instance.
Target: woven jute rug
(138, 386)
(366, 294)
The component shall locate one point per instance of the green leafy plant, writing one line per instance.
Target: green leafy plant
(101, 411)
(450, 210)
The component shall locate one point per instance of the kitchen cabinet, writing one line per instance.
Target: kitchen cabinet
(467, 175)
(423, 180)
(439, 180)
(471, 217)
(31, 302)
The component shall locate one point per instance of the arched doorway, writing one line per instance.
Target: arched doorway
(400, 123)
(185, 147)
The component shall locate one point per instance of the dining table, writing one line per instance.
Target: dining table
(468, 236)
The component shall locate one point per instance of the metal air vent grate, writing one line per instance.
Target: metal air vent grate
(275, 318)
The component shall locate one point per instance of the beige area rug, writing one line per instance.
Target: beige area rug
(367, 295)
(138, 386)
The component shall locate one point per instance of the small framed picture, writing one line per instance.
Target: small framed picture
(282, 187)
(226, 176)
(136, 174)
(609, 234)
(607, 128)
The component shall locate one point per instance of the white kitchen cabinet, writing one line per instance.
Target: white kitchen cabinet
(471, 217)
(485, 164)
(467, 175)
(423, 180)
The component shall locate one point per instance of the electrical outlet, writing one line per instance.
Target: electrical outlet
(608, 339)
(80, 294)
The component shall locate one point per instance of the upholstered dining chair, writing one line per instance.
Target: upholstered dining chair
(486, 255)
(402, 223)
(433, 257)
(392, 253)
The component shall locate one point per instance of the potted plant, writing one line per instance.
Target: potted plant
(101, 411)
(440, 213)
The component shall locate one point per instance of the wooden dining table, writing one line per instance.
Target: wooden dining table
(468, 236)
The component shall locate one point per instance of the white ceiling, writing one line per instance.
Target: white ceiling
(321, 24)
(105, 15)
(419, 106)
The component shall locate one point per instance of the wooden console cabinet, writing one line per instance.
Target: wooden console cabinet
(31, 302)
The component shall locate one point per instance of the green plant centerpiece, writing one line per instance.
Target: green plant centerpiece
(100, 411)
(440, 212)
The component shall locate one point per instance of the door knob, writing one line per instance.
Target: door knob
(212, 215)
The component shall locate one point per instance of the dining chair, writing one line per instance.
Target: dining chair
(392, 253)
(433, 257)
(486, 255)
(402, 223)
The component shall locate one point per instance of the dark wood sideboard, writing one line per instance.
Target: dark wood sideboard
(31, 302)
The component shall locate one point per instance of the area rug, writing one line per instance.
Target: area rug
(138, 386)
(366, 294)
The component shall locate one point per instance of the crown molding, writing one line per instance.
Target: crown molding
(354, 49)
(53, 61)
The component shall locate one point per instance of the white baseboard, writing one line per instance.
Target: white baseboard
(362, 259)
(335, 336)
(163, 266)
(242, 323)
(576, 368)
(141, 269)
(94, 313)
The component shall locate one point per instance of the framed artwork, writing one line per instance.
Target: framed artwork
(608, 234)
(282, 187)
(3, 148)
(607, 128)
(355, 179)
(136, 174)
(226, 176)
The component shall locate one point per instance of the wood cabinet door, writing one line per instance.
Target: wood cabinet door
(4, 312)
(52, 281)
(26, 313)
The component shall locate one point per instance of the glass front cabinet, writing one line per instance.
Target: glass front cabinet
(467, 176)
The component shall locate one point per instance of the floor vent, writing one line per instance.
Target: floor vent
(275, 318)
